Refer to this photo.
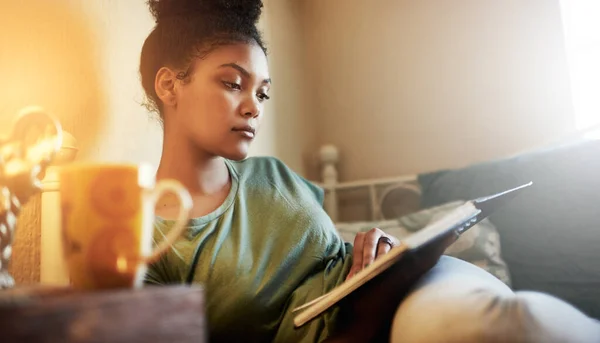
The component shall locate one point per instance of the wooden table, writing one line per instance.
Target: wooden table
(152, 314)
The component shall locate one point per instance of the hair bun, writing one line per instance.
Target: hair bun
(249, 10)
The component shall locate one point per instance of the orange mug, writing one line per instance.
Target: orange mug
(107, 222)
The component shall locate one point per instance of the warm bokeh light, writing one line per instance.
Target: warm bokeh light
(49, 57)
(582, 39)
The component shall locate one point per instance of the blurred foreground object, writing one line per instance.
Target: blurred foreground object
(53, 266)
(42, 314)
(35, 140)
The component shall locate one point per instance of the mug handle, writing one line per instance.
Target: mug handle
(185, 206)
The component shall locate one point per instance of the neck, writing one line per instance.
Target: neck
(200, 172)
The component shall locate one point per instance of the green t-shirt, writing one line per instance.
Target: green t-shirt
(268, 248)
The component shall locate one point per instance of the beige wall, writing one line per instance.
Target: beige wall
(120, 27)
(288, 126)
(410, 86)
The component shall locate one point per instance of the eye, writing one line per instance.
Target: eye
(232, 85)
(262, 96)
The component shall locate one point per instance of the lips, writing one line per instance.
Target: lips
(246, 131)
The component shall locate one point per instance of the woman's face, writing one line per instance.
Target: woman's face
(220, 106)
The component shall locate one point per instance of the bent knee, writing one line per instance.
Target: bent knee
(430, 315)
(459, 302)
(486, 315)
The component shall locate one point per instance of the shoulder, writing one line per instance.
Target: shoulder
(267, 169)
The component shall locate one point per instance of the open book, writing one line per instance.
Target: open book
(452, 225)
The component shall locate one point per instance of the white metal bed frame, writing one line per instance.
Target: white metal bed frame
(329, 157)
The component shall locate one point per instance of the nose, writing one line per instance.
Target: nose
(250, 108)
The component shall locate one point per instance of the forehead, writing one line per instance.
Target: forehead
(249, 56)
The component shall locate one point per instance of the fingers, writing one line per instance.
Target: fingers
(357, 254)
(365, 250)
(370, 246)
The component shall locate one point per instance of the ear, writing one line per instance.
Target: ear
(164, 85)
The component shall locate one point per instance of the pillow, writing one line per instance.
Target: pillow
(550, 234)
(479, 245)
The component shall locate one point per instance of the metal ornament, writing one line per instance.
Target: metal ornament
(25, 154)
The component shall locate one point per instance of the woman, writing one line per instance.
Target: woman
(259, 240)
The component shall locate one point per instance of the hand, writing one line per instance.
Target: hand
(368, 246)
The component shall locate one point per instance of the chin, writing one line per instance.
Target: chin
(238, 154)
(237, 158)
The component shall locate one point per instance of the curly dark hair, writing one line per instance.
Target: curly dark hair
(188, 29)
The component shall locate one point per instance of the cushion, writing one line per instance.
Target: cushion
(551, 233)
(480, 245)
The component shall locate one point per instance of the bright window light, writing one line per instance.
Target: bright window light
(581, 20)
